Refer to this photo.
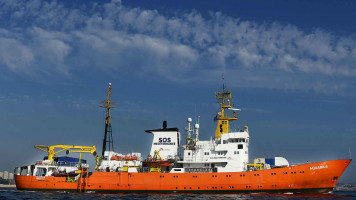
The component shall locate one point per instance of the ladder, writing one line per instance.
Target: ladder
(82, 183)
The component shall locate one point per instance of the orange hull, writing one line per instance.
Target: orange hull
(311, 177)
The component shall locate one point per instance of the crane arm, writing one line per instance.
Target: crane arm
(51, 149)
(98, 160)
(42, 148)
(92, 151)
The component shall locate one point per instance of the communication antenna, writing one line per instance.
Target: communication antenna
(223, 79)
(108, 142)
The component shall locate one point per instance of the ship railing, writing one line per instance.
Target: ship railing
(62, 163)
(197, 170)
(230, 115)
(71, 164)
(46, 163)
(294, 164)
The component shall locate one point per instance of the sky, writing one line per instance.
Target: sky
(290, 66)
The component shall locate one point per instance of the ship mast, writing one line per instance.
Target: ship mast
(108, 143)
(225, 100)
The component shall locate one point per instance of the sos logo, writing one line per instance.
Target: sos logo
(164, 140)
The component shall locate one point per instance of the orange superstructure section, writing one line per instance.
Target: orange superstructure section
(319, 177)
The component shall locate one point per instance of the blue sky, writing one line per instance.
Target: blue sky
(289, 64)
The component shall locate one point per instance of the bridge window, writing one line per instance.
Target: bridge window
(240, 146)
(234, 140)
(41, 171)
(222, 153)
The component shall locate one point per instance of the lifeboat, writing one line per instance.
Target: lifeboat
(116, 158)
(157, 163)
(130, 158)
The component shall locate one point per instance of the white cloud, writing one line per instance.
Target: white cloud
(14, 55)
(49, 38)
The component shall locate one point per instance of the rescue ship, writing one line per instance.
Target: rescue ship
(218, 165)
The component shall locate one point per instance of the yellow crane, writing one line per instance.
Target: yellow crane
(51, 150)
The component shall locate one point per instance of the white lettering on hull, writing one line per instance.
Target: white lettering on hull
(319, 167)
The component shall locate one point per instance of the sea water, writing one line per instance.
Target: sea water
(12, 193)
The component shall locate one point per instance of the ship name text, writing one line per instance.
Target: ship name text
(319, 167)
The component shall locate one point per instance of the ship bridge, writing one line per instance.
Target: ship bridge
(227, 152)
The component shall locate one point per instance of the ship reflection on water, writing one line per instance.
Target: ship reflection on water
(12, 193)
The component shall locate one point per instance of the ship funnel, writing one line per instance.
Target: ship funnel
(166, 141)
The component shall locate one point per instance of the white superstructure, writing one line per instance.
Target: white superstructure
(117, 162)
(229, 153)
(47, 167)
